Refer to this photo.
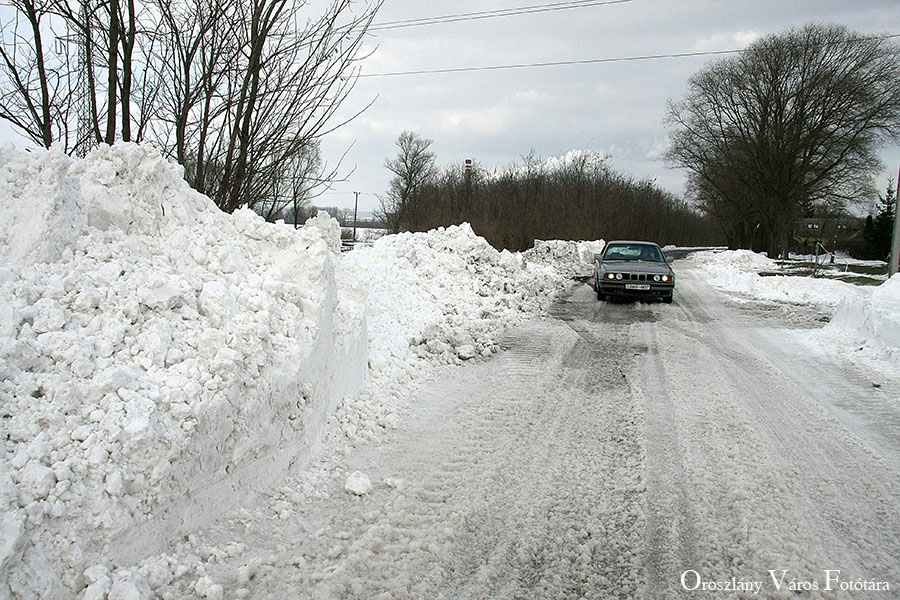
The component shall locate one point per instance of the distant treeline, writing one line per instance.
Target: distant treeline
(578, 197)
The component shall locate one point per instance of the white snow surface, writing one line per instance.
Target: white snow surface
(450, 294)
(862, 318)
(872, 318)
(162, 362)
(738, 271)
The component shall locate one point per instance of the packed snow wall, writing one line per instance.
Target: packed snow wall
(159, 359)
(873, 317)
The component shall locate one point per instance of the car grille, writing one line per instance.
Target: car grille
(636, 277)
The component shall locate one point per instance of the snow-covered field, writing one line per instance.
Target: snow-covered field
(864, 318)
(163, 363)
(738, 271)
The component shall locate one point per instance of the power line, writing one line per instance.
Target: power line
(551, 64)
(589, 61)
(493, 14)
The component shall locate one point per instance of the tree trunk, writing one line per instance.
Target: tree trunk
(45, 123)
(113, 71)
(127, 69)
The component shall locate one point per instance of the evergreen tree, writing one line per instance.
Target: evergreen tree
(880, 227)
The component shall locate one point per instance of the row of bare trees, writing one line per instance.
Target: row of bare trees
(237, 91)
(577, 197)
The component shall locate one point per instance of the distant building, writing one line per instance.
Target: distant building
(835, 233)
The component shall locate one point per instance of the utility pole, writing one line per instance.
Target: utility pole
(355, 213)
(468, 182)
(895, 238)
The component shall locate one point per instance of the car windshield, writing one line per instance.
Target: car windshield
(633, 252)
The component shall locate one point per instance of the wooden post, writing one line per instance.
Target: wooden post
(355, 213)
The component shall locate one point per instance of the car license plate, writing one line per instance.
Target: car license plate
(637, 286)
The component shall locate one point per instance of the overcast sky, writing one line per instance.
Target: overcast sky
(497, 116)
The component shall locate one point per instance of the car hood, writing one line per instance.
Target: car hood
(636, 266)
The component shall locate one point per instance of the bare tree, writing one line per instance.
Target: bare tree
(197, 49)
(412, 168)
(792, 122)
(36, 75)
(238, 92)
(580, 197)
(104, 35)
(294, 184)
(256, 86)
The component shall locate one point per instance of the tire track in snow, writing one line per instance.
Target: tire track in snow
(625, 335)
(670, 543)
(523, 481)
(790, 485)
(553, 471)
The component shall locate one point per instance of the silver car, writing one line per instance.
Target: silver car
(634, 269)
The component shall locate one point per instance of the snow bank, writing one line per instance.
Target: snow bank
(738, 271)
(159, 360)
(873, 317)
(441, 298)
(571, 259)
(449, 294)
(863, 317)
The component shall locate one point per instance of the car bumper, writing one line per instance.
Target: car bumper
(653, 290)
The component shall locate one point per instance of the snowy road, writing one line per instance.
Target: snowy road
(614, 450)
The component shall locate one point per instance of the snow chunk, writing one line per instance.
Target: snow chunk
(358, 483)
(466, 351)
(206, 588)
(328, 228)
(217, 303)
(124, 590)
(99, 582)
(161, 294)
(37, 480)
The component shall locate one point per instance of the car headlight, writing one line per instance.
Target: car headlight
(618, 276)
(656, 277)
(666, 278)
(610, 275)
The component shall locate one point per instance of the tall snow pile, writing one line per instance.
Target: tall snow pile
(159, 361)
(570, 259)
(448, 294)
(874, 317)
